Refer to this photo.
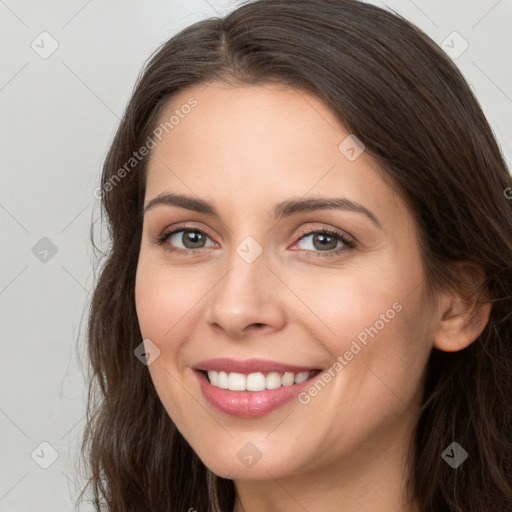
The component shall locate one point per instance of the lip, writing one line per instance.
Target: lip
(249, 404)
(247, 366)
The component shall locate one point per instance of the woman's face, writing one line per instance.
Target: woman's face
(262, 281)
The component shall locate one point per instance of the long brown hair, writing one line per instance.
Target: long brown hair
(393, 88)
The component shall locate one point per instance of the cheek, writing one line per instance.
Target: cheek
(383, 342)
(165, 300)
(374, 318)
(344, 303)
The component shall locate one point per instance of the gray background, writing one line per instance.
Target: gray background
(58, 116)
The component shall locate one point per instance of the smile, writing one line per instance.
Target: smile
(256, 381)
(269, 391)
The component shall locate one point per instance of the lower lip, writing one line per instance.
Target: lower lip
(249, 404)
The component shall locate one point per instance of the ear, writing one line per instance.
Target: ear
(463, 314)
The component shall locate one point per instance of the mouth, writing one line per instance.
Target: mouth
(257, 381)
(254, 394)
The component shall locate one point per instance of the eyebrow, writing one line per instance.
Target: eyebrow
(281, 210)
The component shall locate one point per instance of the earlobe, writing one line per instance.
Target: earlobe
(461, 320)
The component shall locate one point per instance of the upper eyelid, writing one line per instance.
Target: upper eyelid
(334, 231)
(184, 227)
(301, 232)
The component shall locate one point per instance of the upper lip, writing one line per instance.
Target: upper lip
(247, 366)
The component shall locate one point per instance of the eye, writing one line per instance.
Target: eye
(326, 241)
(194, 241)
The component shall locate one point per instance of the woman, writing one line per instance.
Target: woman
(306, 305)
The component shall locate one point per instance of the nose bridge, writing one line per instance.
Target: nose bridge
(245, 293)
(244, 286)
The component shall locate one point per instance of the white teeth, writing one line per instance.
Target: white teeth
(236, 382)
(288, 379)
(301, 377)
(222, 381)
(214, 378)
(255, 381)
(273, 380)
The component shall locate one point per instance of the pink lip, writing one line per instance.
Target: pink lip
(247, 366)
(249, 404)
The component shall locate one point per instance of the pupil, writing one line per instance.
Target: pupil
(196, 239)
(324, 238)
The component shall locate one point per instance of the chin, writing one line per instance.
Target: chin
(236, 464)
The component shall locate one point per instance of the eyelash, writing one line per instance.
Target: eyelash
(348, 244)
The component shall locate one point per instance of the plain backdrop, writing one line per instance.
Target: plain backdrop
(67, 71)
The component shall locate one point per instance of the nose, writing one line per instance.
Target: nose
(248, 298)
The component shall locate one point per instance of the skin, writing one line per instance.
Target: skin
(245, 149)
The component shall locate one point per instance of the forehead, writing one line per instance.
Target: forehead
(257, 144)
